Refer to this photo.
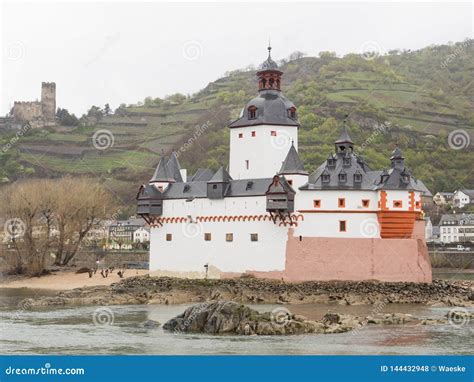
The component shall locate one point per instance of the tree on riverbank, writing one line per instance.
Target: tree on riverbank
(51, 218)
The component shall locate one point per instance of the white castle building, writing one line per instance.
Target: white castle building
(267, 216)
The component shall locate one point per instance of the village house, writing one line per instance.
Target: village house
(462, 198)
(457, 228)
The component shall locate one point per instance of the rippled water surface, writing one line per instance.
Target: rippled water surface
(120, 330)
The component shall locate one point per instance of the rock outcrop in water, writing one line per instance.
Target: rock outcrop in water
(227, 317)
(166, 290)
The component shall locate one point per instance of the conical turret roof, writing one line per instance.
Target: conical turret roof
(293, 164)
(221, 176)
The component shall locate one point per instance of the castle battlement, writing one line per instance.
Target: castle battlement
(24, 111)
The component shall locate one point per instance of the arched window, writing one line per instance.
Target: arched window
(271, 82)
(264, 83)
(252, 112)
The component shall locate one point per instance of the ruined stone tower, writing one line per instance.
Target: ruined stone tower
(48, 100)
(38, 113)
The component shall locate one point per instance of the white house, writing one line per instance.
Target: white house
(141, 235)
(457, 228)
(462, 198)
(443, 198)
(267, 216)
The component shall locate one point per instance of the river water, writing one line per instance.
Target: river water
(120, 330)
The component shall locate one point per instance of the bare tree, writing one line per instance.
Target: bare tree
(47, 217)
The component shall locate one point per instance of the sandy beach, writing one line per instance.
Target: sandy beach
(67, 280)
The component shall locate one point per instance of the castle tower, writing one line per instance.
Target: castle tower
(262, 136)
(48, 100)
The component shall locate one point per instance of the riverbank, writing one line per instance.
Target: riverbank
(167, 290)
(67, 280)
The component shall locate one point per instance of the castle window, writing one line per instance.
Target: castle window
(331, 162)
(271, 82)
(274, 133)
(254, 133)
(346, 161)
(397, 204)
(169, 237)
(417, 204)
(326, 178)
(254, 237)
(241, 135)
(365, 203)
(249, 185)
(247, 164)
(264, 83)
(341, 202)
(207, 236)
(342, 177)
(342, 226)
(317, 203)
(357, 178)
(214, 186)
(186, 188)
(252, 112)
(229, 237)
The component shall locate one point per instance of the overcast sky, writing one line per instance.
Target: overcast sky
(116, 53)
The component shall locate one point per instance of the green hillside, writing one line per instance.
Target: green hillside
(417, 97)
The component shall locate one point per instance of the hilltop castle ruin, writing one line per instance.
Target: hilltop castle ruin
(38, 113)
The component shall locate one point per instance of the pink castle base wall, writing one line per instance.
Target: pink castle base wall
(325, 259)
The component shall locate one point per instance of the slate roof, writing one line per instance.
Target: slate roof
(241, 187)
(162, 172)
(272, 109)
(459, 219)
(174, 168)
(221, 176)
(202, 174)
(269, 64)
(292, 163)
(396, 178)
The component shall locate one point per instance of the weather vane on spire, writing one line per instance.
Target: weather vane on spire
(269, 47)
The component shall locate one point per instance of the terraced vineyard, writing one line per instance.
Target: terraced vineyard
(417, 97)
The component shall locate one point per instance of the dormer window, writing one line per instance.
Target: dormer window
(252, 112)
(292, 112)
(383, 178)
(186, 188)
(405, 178)
(331, 162)
(357, 178)
(342, 178)
(346, 161)
(325, 178)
